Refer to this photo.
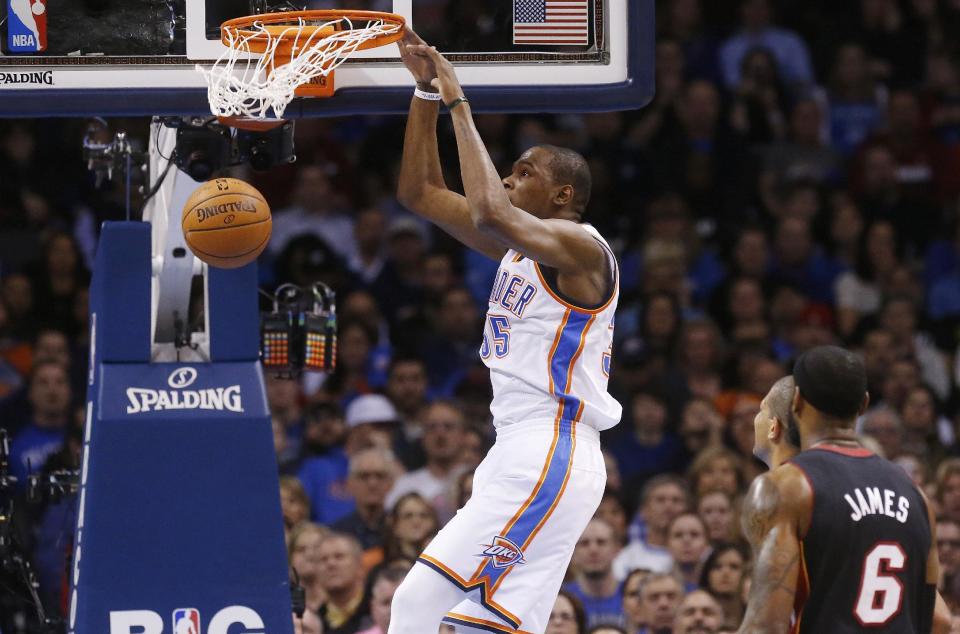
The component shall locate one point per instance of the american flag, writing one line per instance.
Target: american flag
(555, 22)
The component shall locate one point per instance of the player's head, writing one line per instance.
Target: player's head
(550, 182)
(831, 388)
(774, 425)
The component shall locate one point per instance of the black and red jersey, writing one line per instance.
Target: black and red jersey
(864, 557)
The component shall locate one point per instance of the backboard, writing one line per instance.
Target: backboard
(137, 57)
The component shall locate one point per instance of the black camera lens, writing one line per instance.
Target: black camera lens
(199, 166)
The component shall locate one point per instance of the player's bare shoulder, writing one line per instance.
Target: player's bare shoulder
(783, 494)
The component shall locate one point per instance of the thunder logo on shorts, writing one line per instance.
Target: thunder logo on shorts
(502, 552)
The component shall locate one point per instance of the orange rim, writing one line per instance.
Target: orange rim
(274, 22)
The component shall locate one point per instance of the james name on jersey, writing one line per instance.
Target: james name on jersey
(874, 501)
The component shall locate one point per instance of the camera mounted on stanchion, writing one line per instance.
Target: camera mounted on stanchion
(300, 333)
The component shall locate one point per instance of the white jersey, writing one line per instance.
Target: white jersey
(548, 359)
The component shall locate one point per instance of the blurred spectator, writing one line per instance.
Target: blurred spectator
(894, 40)
(324, 429)
(916, 469)
(398, 288)
(634, 615)
(948, 488)
(700, 156)
(660, 594)
(684, 22)
(407, 390)
(883, 424)
(878, 354)
(594, 582)
(286, 409)
(49, 397)
(307, 259)
(698, 613)
(294, 504)
(948, 549)
(347, 608)
(716, 510)
(760, 99)
(926, 433)
(797, 259)
(315, 212)
(859, 291)
(758, 31)
(919, 157)
(385, 583)
(371, 476)
(443, 427)
(803, 155)
(700, 426)
(57, 278)
(473, 447)
(716, 469)
(723, 575)
(369, 230)
(18, 297)
(663, 498)
(902, 375)
(614, 513)
(746, 318)
(464, 488)
(353, 375)
(371, 421)
(304, 549)
(567, 616)
(899, 317)
(450, 346)
(411, 525)
(700, 357)
(688, 545)
(854, 101)
(648, 447)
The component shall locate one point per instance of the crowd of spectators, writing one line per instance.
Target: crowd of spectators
(795, 182)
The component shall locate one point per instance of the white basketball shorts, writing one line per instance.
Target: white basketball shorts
(509, 547)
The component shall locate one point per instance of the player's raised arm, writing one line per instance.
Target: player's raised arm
(550, 235)
(772, 512)
(422, 188)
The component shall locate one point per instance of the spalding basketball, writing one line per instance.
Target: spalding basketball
(226, 223)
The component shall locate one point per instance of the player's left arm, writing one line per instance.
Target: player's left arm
(772, 513)
(556, 243)
(940, 619)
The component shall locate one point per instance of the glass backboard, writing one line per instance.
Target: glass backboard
(137, 57)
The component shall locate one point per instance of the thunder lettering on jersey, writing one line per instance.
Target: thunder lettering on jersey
(543, 350)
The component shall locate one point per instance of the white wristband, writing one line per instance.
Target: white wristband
(423, 94)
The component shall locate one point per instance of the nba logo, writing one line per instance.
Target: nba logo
(186, 621)
(26, 26)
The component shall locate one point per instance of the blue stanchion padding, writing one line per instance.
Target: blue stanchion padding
(234, 313)
(120, 293)
(179, 524)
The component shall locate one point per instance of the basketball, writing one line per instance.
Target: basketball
(226, 223)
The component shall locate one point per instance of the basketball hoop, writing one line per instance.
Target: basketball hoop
(272, 58)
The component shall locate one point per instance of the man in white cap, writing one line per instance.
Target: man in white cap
(371, 420)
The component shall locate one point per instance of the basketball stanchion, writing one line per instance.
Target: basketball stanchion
(179, 521)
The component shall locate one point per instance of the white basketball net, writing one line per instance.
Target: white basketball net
(238, 84)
